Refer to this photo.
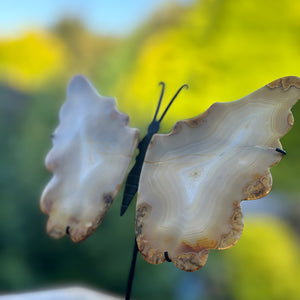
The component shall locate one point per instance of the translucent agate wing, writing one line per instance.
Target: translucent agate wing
(194, 178)
(92, 149)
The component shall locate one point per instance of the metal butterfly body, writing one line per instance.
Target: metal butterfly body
(190, 182)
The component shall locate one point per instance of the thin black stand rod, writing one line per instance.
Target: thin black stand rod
(131, 272)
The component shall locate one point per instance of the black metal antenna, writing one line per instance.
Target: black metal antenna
(160, 99)
(172, 100)
(155, 124)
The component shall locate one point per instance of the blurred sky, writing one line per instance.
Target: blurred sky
(104, 16)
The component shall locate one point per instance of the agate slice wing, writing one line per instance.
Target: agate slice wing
(92, 149)
(194, 178)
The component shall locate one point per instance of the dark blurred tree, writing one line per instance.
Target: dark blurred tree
(87, 53)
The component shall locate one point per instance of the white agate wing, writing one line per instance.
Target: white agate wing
(194, 178)
(92, 149)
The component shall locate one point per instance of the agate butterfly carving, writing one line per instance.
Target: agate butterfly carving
(192, 180)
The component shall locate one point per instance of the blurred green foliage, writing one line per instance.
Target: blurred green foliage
(223, 50)
(274, 258)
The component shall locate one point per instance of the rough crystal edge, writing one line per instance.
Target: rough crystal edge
(285, 83)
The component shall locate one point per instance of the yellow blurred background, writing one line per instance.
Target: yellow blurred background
(224, 50)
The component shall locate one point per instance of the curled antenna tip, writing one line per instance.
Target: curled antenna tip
(174, 97)
(162, 83)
